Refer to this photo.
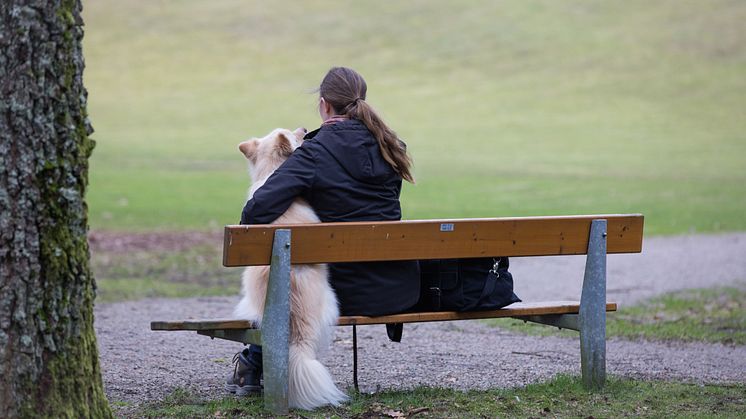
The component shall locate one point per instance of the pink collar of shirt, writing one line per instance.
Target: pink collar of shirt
(334, 119)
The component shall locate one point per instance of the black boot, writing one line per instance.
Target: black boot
(246, 375)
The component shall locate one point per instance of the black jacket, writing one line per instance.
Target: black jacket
(340, 171)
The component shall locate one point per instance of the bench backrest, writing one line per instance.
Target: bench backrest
(249, 245)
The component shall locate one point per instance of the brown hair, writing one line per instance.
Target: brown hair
(344, 89)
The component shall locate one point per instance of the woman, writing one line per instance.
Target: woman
(350, 169)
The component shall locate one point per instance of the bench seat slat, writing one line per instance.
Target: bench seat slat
(514, 310)
(207, 324)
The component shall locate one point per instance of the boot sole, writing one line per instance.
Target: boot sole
(243, 390)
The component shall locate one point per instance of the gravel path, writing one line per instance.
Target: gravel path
(139, 365)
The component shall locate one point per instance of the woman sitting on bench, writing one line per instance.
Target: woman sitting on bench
(350, 169)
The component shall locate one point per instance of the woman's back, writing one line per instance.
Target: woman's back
(355, 183)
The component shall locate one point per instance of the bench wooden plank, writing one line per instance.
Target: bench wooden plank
(431, 239)
(514, 310)
(201, 324)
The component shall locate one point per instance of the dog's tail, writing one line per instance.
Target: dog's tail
(311, 384)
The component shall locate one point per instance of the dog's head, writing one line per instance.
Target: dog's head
(266, 154)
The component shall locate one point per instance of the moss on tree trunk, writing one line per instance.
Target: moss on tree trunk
(48, 352)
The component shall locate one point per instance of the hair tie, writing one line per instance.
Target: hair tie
(349, 106)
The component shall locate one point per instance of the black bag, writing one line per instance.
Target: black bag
(465, 284)
(461, 285)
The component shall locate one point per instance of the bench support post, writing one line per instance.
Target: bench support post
(592, 315)
(276, 327)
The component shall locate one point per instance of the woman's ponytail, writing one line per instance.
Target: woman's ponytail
(345, 90)
(392, 149)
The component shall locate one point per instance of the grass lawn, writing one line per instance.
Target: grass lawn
(509, 108)
(161, 265)
(562, 397)
(136, 274)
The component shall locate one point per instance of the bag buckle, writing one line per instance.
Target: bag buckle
(495, 267)
(434, 298)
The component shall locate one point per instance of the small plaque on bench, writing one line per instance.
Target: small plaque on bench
(446, 227)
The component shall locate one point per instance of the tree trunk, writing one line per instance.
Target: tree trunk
(48, 351)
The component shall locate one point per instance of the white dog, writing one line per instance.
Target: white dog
(313, 305)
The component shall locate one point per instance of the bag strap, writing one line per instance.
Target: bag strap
(394, 330)
(489, 284)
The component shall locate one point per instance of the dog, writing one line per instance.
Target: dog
(313, 304)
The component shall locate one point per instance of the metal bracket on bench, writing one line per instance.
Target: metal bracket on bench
(236, 335)
(563, 321)
(593, 310)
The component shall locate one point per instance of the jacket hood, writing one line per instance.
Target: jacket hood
(355, 148)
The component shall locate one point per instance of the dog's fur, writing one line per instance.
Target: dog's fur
(313, 305)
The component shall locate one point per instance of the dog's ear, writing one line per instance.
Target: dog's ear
(284, 144)
(300, 132)
(249, 149)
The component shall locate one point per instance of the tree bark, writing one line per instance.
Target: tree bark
(48, 351)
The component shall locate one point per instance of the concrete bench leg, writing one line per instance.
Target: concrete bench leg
(276, 327)
(593, 310)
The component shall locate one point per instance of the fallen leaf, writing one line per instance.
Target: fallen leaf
(394, 413)
(417, 411)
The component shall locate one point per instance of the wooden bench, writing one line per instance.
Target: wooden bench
(283, 245)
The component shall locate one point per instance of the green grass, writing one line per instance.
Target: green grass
(708, 315)
(192, 272)
(509, 108)
(123, 289)
(714, 315)
(561, 397)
